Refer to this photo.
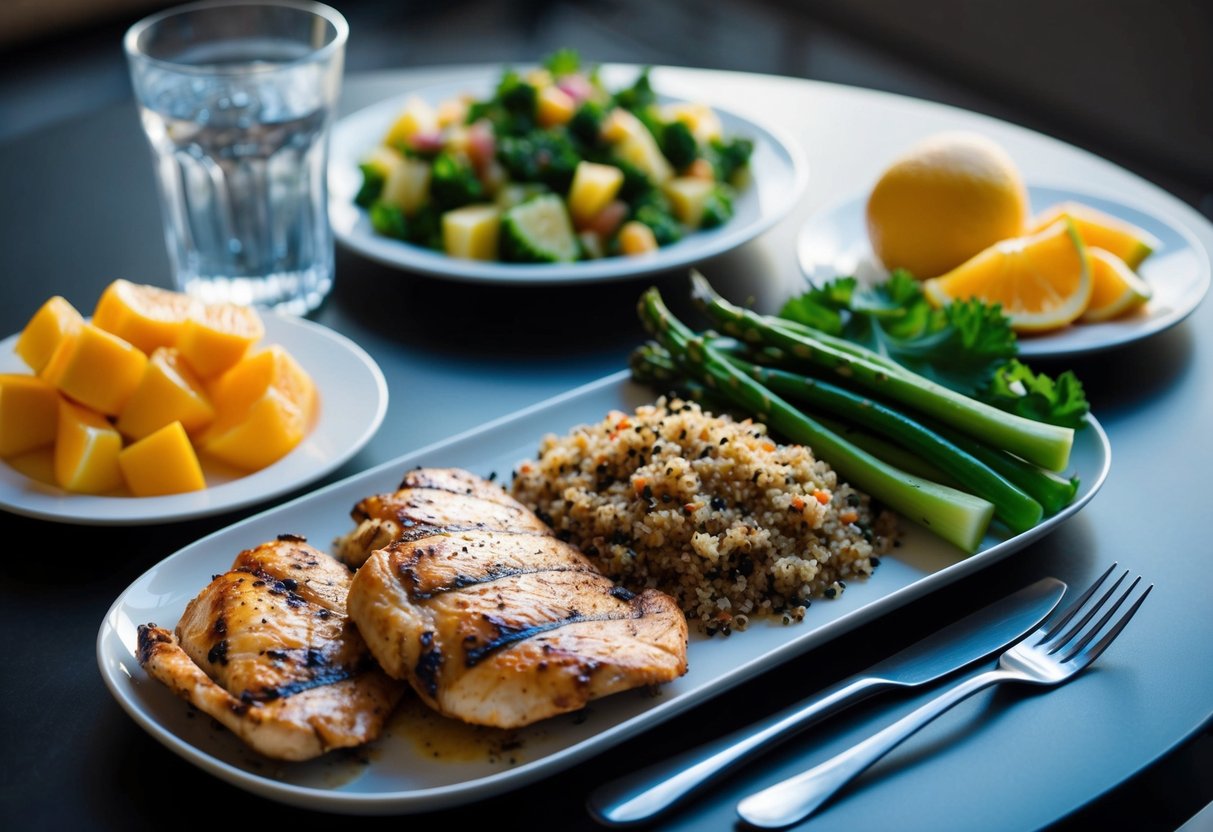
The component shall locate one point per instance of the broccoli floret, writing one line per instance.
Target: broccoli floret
(388, 220)
(512, 108)
(545, 156)
(453, 183)
(678, 144)
(372, 186)
(424, 228)
(718, 208)
(636, 187)
(728, 157)
(563, 62)
(586, 124)
(639, 96)
(665, 228)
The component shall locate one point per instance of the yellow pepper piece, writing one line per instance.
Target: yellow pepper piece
(169, 392)
(86, 451)
(264, 405)
(163, 462)
(55, 320)
(217, 336)
(96, 368)
(29, 413)
(146, 316)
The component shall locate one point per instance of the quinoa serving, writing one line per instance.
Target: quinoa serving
(707, 509)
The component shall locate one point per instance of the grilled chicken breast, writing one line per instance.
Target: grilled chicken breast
(433, 497)
(268, 650)
(507, 626)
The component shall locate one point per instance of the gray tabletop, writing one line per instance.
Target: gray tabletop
(80, 210)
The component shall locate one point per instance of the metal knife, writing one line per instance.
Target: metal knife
(643, 795)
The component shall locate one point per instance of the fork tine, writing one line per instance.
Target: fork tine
(1073, 609)
(1063, 639)
(1093, 653)
(1076, 648)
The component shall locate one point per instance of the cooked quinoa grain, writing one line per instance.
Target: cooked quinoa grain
(707, 509)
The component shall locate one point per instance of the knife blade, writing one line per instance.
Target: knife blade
(643, 795)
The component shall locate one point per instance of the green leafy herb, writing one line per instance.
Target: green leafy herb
(563, 62)
(968, 346)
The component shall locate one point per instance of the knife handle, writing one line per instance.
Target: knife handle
(640, 796)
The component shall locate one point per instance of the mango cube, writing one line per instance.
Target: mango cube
(86, 451)
(554, 106)
(418, 116)
(55, 320)
(471, 232)
(264, 407)
(29, 413)
(145, 316)
(594, 186)
(161, 463)
(169, 392)
(96, 368)
(217, 336)
(688, 197)
(407, 185)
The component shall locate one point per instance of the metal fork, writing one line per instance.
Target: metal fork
(1050, 655)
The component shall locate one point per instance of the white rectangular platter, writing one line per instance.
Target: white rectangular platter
(397, 774)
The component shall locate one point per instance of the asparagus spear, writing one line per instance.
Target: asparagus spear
(1043, 444)
(957, 517)
(1011, 505)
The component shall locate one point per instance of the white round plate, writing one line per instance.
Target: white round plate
(835, 242)
(343, 374)
(778, 177)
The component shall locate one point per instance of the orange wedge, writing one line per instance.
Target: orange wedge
(1042, 281)
(146, 316)
(1116, 288)
(1101, 230)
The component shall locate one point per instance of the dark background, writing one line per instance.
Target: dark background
(1130, 80)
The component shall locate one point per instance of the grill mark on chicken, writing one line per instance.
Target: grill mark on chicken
(428, 502)
(512, 635)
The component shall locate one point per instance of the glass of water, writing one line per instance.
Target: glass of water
(236, 97)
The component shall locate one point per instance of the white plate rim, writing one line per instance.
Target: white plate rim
(333, 440)
(118, 678)
(779, 167)
(1079, 339)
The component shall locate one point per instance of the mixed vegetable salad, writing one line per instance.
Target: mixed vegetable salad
(553, 168)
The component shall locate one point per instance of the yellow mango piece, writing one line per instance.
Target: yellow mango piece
(53, 321)
(29, 413)
(593, 187)
(96, 368)
(146, 316)
(418, 116)
(264, 407)
(471, 232)
(700, 118)
(407, 185)
(554, 107)
(217, 336)
(86, 451)
(38, 464)
(688, 197)
(163, 462)
(169, 392)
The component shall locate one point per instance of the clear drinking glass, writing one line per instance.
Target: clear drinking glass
(236, 97)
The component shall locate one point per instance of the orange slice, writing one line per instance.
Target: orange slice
(1101, 230)
(146, 316)
(1116, 288)
(1042, 281)
(217, 336)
